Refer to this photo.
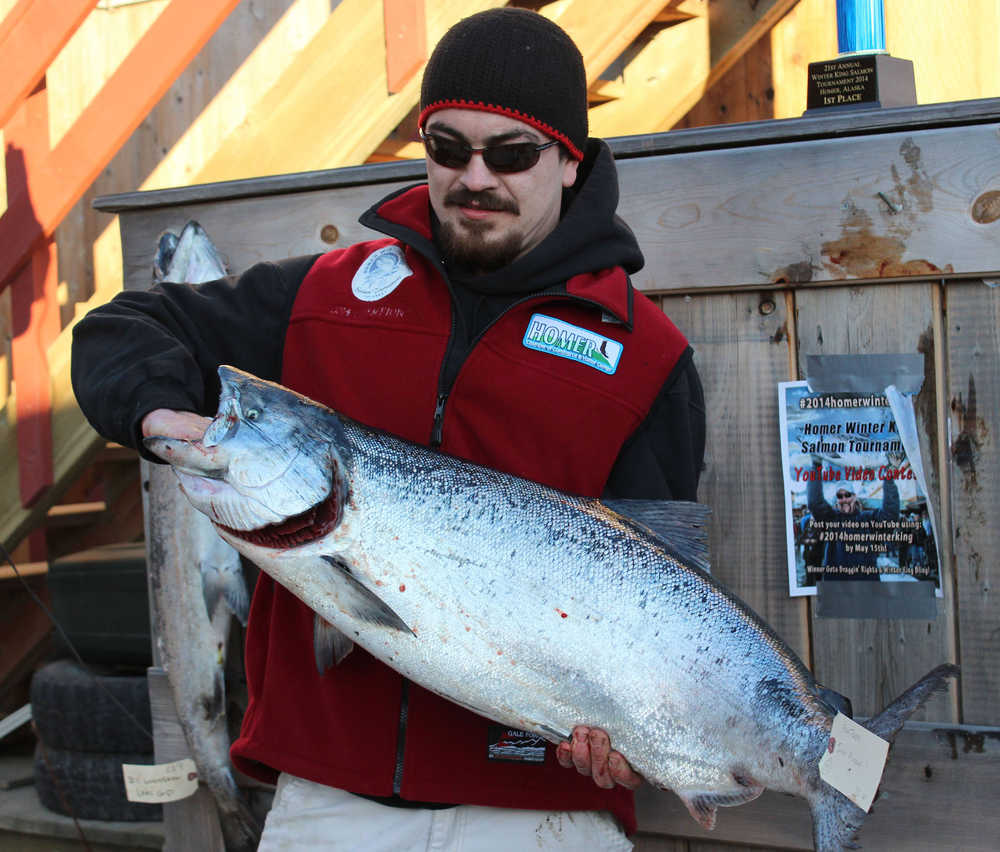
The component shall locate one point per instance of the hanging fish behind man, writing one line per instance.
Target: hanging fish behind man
(193, 604)
(411, 554)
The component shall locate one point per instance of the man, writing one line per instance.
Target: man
(846, 518)
(495, 321)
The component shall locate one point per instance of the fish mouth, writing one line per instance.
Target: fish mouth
(308, 526)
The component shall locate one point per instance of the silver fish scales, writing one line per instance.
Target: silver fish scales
(536, 608)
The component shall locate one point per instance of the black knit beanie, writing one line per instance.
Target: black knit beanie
(514, 62)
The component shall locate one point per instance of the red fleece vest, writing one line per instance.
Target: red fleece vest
(533, 413)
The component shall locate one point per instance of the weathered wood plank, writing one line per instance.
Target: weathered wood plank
(874, 660)
(812, 211)
(735, 218)
(974, 401)
(933, 797)
(741, 351)
(245, 230)
(860, 123)
(190, 823)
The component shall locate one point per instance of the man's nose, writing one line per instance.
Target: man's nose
(477, 175)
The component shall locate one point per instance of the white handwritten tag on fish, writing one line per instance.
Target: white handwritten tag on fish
(160, 782)
(853, 761)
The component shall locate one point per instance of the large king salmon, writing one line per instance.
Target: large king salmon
(533, 607)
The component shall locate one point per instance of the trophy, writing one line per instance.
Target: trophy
(863, 76)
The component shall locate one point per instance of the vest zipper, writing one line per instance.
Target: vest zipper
(437, 425)
(404, 708)
(438, 420)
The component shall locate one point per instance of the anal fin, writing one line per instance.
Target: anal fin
(329, 645)
(703, 805)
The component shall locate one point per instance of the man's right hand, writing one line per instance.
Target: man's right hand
(167, 423)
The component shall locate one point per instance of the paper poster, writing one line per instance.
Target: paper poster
(855, 508)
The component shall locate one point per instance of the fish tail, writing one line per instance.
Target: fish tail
(240, 827)
(887, 723)
(836, 819)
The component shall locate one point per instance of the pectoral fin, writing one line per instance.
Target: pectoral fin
(361, 603)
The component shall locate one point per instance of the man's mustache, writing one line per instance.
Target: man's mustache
(462, 197)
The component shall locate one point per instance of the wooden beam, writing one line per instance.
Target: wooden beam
(35, 310)
(75, 514)
(34, 210)
(405, 41)
(25, 570)
(31, 35)
(603, 31)
(661, 82)
(320, 116)
(602, 91)
(735, 26)
(670, 73)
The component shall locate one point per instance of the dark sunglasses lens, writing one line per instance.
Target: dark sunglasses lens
(453, 154)
(448, 152)
(511, 158)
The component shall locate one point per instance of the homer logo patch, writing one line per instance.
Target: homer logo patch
(556, 337)
(380, 274)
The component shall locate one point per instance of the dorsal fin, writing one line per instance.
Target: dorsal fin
(679, 525)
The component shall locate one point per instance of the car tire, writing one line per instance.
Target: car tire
(89, 785)
(81, 708)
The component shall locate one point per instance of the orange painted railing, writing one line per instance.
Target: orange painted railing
(44, 182)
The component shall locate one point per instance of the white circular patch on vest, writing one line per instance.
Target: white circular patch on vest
(380, 274)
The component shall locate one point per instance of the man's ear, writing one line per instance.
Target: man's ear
(569, 171)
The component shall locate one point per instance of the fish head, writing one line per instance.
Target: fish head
(270, 467)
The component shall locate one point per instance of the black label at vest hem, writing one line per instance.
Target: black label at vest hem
(514, 746)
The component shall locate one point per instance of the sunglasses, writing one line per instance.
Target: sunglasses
(843, 496)
(505, 159)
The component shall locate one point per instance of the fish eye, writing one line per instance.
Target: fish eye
(252, 414)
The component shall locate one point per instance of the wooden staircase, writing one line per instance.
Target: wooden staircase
(102, 505)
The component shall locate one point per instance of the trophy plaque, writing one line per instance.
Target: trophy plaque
(864, 76)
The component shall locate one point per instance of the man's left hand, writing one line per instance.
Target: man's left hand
(590, 752)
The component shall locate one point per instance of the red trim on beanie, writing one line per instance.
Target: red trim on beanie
(548, 130)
